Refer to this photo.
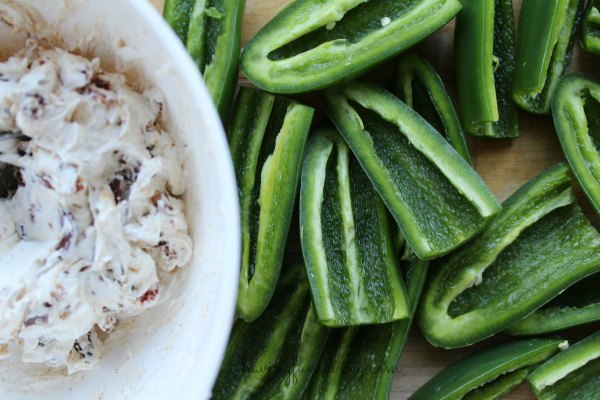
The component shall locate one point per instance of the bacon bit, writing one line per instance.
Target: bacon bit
(115, 186)
(47, 304)
(155, 197)
(46, 182)
(101, 83)
(149, 296)
(37, 320)
(162, 243)
(79, 185)
(64, 242)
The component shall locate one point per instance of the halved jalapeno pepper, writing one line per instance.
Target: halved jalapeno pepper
(576, 114)
(546, 36)
(274, 356)
(313, 44)
(489, 374)
(267, 141)
(211, 31)
(540, 244)
(570, 374)
(436, 197)
(346, 239)
(484, 44)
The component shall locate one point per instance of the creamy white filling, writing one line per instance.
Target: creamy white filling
(96, 210)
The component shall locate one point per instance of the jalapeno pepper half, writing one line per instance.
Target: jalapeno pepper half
(274, 356)
(546, 36)
(211, 31)
(313, 44)
(578, 305)
(489, 374)
(576, 113)
(590, 27)
(540, 244)
(421, 88)
(267, 141)
(359, 362)
(570, 374)
(346, 239)
(436, 197)
(484, 44)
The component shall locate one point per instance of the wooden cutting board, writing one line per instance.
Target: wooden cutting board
(504, 164)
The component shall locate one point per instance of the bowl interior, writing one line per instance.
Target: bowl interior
(175, 348)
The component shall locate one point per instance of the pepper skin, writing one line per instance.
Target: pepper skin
(434, 195)
(484, 43)
(267, 141)
(546, 36)
(313, 44)
(346, 239)
(421, 88)
(211, 31)
(571, 374)
(576, 114)
(540, 244)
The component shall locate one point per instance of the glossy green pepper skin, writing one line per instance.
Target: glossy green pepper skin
(434, 195)
(313, 44)
(211, 32)
(359, 362)
(590, 27)
(177, 13)
(570, 374)
(546, 37)
(484, 44)
(540, 244)
(421, 88)
(576, 113)
(489, 374)
(346, 239)
(578, 305)
(274, 356)
(267, 141)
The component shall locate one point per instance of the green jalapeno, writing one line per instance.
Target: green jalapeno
(274, 356)
(489, 374)
(435, 196)
(177, 13)
(421, 88)
(570, 374)
(211, 31)
(579, 304)
(590, 27)
(359, 362)
(546, 36)
(313, 44)
(346, 239)
(576, 113)
(485, 65)
(540, 244)
(267, 141)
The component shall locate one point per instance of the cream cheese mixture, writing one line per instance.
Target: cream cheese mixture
(95, 216)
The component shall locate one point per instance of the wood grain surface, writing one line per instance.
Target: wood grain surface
(504, 164)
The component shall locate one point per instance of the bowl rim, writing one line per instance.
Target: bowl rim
(218, 336)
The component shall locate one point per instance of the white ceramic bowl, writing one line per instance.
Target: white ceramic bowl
(174, 350)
